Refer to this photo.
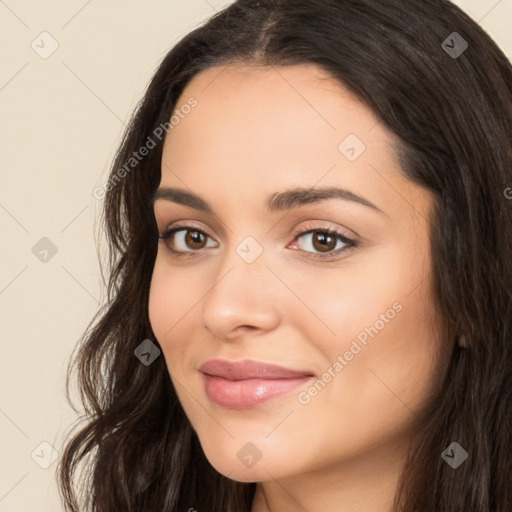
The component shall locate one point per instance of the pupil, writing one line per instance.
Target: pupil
(324, 246)
(195, 236)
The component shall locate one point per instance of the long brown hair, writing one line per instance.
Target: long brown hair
(448, 98)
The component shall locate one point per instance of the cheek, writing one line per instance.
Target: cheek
(378, 316)
(338, 304)
(170, 307)
(159, 307)
(381, 368)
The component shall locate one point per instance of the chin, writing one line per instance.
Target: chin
(240, 470)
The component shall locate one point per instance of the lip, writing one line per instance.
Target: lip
(246, 384)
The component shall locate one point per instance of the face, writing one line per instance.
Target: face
(337, 287)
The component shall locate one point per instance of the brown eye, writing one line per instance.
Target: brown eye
(323, 242)
(194, 239)
(185, 239)
(319, 243)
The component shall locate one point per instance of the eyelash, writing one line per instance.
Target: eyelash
(350, 243)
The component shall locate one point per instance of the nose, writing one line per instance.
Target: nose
(242, 300)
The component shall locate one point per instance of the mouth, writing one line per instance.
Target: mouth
(246, 384)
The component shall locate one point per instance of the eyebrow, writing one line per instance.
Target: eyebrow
(275, 203)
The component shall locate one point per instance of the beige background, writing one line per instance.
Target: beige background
(61, 121)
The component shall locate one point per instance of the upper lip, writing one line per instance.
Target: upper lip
(249, 369)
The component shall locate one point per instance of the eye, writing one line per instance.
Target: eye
(191, 240)
(328, 241)
(186, 237)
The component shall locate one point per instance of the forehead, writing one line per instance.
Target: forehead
(265, 115)
(256, 131)
(302, 92)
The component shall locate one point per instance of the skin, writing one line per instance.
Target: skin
(255, 132)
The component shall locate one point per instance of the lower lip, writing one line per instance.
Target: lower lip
(244, 394)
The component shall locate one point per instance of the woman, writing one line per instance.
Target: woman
(310, 276)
